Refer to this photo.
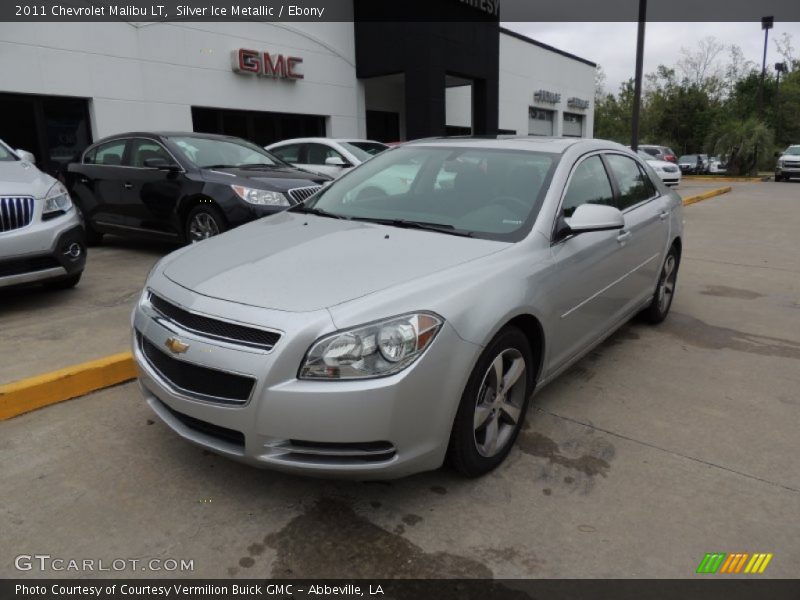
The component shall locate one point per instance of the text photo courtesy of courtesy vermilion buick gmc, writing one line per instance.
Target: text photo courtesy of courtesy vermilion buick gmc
(181, 187)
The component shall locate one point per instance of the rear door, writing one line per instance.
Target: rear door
(97, 183)
(644, 237)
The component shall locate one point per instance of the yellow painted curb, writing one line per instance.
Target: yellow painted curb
(42, 390)
(706, 195)
(723, 178)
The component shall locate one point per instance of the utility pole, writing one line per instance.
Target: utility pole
(766, 25)
(779, 68)
(637, 89)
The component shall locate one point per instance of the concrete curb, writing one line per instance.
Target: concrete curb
(29, 394)
(706, 195)
(724, 179)
(43, 390)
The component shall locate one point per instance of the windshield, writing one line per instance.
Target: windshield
(364, 150)
(494, 194)
(645, 155)
(688, 158)
(219, 153)
(793, 151)
(6, 154)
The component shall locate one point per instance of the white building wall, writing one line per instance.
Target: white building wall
(148, 76)
(526, 68)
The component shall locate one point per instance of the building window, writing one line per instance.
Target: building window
(573, 125)
(540, 121)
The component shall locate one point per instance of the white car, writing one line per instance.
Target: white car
(716, 166)
(327, 156)
(668, 172)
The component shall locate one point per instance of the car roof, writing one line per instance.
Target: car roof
(307, 140)
(164, 134)
(555, 145)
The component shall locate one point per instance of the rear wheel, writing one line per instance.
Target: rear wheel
(493, 405)
(665, 290)
(203, 222)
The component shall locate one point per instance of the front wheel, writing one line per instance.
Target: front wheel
(493, 405)
(659, 307)
(203, 222)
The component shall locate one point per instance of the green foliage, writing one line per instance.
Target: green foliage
(710, 108)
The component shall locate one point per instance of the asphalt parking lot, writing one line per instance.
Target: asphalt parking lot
(661, 445)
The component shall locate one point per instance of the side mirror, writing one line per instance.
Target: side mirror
(25, 155)
(595, 217)
(777, 155)
(336, 161)
(160, 163)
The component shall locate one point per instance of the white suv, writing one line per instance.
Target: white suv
(41, 235)
(788, 165)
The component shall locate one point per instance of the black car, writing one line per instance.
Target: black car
(181, 186)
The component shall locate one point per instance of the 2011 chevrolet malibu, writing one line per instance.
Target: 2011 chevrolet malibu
(407, 312)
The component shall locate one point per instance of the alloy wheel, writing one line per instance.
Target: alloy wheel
(667, 286)
(499, 404)
(202, 227)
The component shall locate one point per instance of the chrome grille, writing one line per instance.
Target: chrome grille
(15, 212)
(214, 328)
(303, 193)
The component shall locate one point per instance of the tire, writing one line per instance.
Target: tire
(778, 177)
(202, 222)
(471, 451)
(93, 237)
(659, 307)
(64, 283)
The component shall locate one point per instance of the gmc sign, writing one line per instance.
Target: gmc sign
(265, 64)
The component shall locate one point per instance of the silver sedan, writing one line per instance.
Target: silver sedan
(407, 313)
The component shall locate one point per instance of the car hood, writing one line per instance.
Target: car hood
(274, 179)
(298, 262)
(20, 177)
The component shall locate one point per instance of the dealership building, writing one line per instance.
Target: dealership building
(64, 85)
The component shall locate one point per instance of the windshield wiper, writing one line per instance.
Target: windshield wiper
(218, 167)
(406, 224)
(320, 212)
(256, 166)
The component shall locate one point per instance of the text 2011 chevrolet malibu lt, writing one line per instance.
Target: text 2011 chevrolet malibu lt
(406, 313)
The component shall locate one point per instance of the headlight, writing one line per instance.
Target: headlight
(780, 162)
(260, 197)
(57, 200)
(375, 350)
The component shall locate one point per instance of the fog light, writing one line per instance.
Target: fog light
(73, 250)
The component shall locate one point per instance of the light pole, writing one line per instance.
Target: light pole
(637, 87)
(779, 68)
(766, 25)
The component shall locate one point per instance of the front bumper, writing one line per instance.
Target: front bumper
(788, 171)
(40, 251)
(368, 429)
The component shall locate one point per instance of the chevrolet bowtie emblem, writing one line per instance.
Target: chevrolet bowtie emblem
(176, 346)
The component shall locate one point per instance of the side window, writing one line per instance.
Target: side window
(589, 185)
(106, 154)
(290, 153)
(634, 185)
(142, 149)
(317, 153)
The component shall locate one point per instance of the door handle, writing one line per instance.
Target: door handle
(127, 185)
(84, 180)
(623, 237)
(663, 215)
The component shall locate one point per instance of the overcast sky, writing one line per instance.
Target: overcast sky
(613, 45)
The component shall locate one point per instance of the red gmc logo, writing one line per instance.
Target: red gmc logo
(265, 64)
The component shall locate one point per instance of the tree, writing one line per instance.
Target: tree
(700, 67)
(742, 142)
